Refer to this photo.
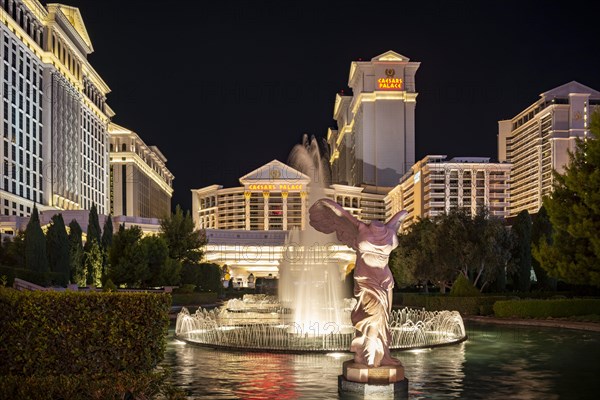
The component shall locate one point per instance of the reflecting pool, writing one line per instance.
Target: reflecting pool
(497, 362)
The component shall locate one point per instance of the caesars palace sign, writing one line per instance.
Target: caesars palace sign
(282, 186)
(389, 82)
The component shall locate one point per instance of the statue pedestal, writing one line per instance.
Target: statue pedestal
(361, 381)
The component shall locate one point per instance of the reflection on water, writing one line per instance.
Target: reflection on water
(495, 363)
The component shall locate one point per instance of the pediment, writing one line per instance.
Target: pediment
(391, 55)
(275, 171)
(76, 20)
(570, 87)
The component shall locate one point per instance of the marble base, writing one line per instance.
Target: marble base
(361, 373)
(356, 390)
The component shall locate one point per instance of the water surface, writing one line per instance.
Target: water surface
(497, 362)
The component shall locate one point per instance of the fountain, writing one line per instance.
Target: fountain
(311, 313)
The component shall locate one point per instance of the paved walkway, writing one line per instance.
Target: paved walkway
(553, 323)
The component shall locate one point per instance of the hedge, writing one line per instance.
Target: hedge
(43, 279)
(62, 333)
(118, 385)
(476, 305)
(546, 308)
(194, 299)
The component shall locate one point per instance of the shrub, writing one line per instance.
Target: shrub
(117, 385)
(39, 278)
(185, 289)
(463, 288)
(109, 286)
(474, 305)
(546, 308)
(56, 333)
(194, 299)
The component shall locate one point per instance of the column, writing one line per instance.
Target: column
(473, 192)
(460, 188)
(266, 210)
(247, 195)
(486, 189)
(447, 190)
(284, 197)
(303, 210)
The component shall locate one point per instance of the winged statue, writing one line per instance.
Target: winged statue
(373, 281)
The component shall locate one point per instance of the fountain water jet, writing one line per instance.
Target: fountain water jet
(310, 282)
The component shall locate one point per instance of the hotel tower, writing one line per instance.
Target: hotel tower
(54, 113)
(537, 141)
(374, 145)
(55, 127)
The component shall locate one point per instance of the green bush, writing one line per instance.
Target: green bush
(463, 288)
(56, 333)
(117, 385)
(109, 286)
(546, 308)
(185, 289)
(39, 278)
(194, 299)
(475, 305)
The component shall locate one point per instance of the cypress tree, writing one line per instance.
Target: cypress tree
(78, 272)
(92, 262)
(107, 233)
(57, 246)
(35, 245)
(107, 238)
(93, 229)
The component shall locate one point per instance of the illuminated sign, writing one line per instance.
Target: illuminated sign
(282, 186)
(390, 82)
(417, 177)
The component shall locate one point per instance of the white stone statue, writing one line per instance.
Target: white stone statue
(373, 281)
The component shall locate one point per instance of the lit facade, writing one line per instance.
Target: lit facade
(247, 226)
(536, 141)
(141, 185)
(54, 114)
(435, 186)
(374, 144)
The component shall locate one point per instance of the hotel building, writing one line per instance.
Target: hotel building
(54, 115)
(141, 185)
(435, 186)
(536, 141)
(374, 145)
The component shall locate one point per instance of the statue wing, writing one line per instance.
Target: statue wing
(327, 216)
(396, 220)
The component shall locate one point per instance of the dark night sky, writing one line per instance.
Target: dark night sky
(222, 87)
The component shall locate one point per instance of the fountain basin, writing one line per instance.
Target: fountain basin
(276, 332)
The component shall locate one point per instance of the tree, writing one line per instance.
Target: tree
(14, 250)
(522, 251)
(78, 271)
(541, 230)
(451, 248)
(107, 233)
(107, 237)
(412, 260)
(35, 245)
(128, 259)
(162, 269)
(573, 253)
(93, 229)
(185, 244)
(57, 245)
(489, 252)
(92, 263)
